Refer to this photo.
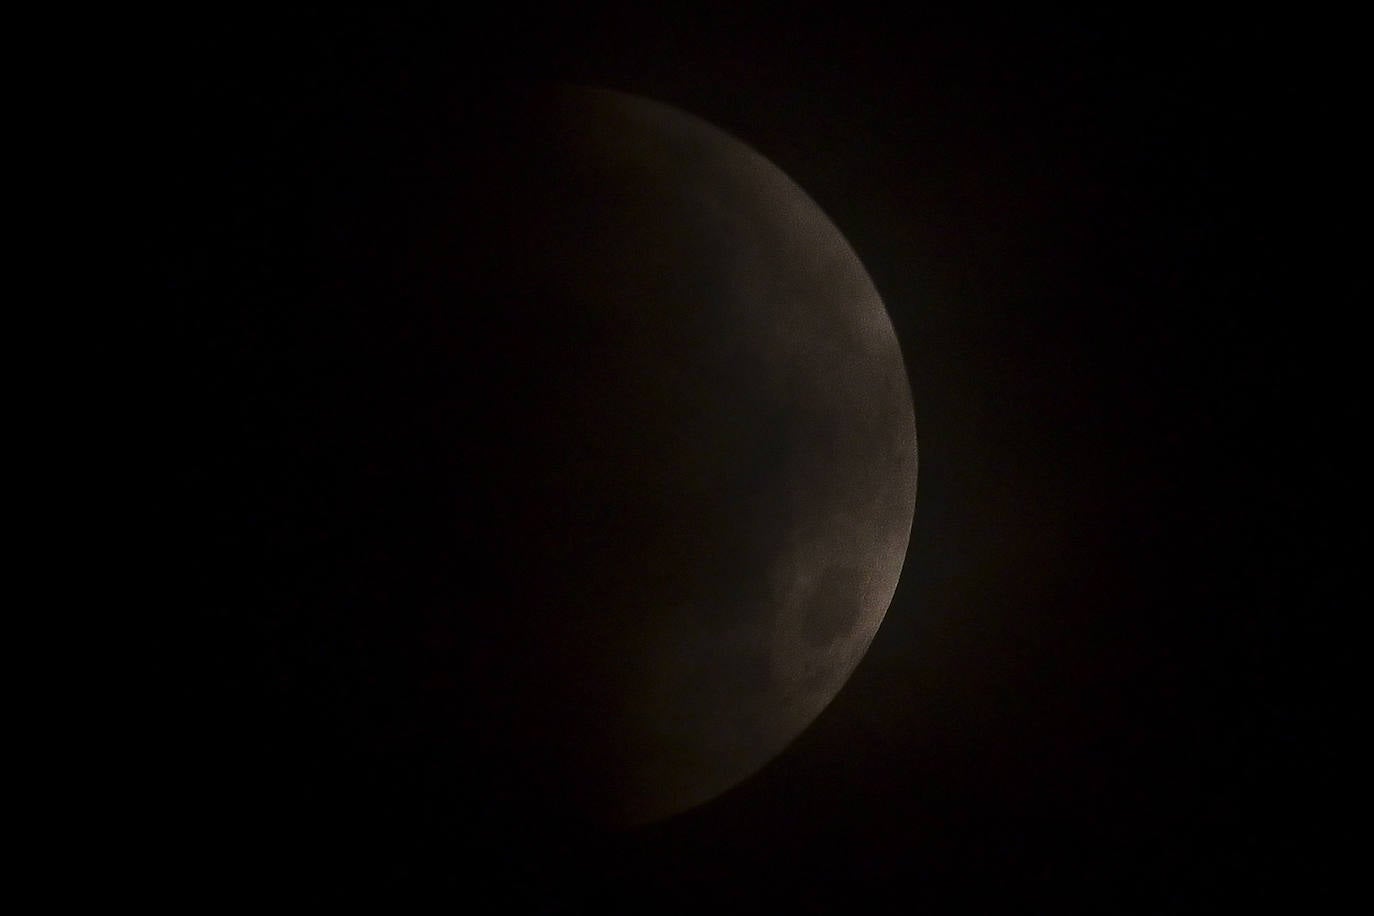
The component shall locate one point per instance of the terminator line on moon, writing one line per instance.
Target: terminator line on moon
(606, 449)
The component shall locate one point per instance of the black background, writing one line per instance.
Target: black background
(1100, 682)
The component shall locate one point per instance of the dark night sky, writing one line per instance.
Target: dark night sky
(1096, 684)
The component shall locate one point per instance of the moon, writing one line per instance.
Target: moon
(626, 456)
(751, 479)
